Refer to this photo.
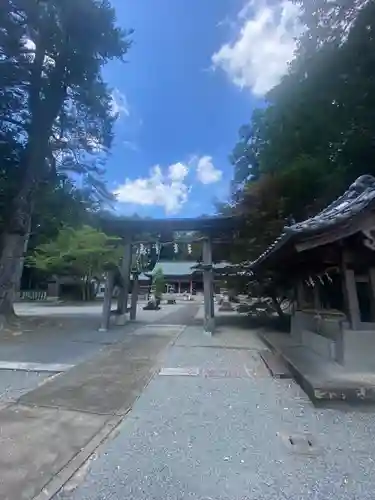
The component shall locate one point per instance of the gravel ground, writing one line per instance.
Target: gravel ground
(227, 438)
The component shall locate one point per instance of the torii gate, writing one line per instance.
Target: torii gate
(213, 230)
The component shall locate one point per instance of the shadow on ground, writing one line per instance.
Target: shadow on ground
(247, 322)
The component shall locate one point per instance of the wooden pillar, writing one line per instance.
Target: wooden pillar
(300, 294)
(316, 295)
(134, 297)
(351, 298)
(107, 302)
(372, 291)
(122, 303)
(209, 322)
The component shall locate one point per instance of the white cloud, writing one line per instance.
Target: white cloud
(177, 172)
(206, 171)
(258, 56)
(120, 105)
(169, 190)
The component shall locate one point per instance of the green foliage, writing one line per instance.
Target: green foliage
(56, 114)
(315, 135)
(85, 253)
(53, 87)
(158, 283)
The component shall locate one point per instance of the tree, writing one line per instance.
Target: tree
(315, 134)
(84, 253)
(158, 283)
(56, 110)
(58, 205)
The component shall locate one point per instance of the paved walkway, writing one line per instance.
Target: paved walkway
(50, 430)
(213, 424)
(29, 357)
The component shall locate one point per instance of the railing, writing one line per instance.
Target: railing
(33, 295)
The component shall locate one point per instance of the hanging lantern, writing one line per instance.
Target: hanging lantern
(189, 248)
(175, 248)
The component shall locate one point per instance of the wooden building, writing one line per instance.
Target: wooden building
(185, 276)
(179, 275)
(330, 261)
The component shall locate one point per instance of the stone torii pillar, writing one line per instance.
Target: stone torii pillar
(209, 312)
(122, 304)
(107, 302)
(134, 297)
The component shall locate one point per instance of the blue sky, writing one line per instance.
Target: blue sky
(195, 72)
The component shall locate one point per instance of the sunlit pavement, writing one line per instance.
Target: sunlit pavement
(213, 424)
(50, 423)
(33, 356)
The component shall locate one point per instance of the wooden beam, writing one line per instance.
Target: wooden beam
(358, 223)
(350, 292)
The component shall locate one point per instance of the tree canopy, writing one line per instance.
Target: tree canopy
(56, 114)
(315, 134)
(84, 253)
(158, 283)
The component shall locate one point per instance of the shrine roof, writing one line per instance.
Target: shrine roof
(174, 268)
(182, 268)
(358, 199)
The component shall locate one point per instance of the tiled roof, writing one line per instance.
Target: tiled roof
(174, 268)
(218, 266)
(359, 196)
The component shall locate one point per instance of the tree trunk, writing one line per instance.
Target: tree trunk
(16, 234)
(83, 289)
(13, 248)
(11, 266)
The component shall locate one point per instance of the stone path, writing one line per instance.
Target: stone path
(50, 431)
(66, 336)
(213, 424)
(179, 315)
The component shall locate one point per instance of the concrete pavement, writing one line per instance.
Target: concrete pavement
(49, 425)
(213, 424)
(61, 336)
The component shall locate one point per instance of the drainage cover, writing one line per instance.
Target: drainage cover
(301, 443)
(212, 373)
(180, 372)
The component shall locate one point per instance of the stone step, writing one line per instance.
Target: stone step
(275, 364)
